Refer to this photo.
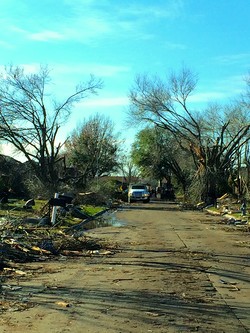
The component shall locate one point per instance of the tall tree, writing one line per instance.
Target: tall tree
(165, 104)
(158, 156)
(30, 119)
(93, 149)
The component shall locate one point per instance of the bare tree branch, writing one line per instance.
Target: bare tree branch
(30, 123)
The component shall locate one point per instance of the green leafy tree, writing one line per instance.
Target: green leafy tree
(93, 149)
(159, 157)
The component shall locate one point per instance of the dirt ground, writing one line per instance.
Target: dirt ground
(169, 271)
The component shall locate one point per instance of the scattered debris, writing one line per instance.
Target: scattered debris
(16, 271)
(63, 304)
(231, 285)
(227, 282)
(29, 204)
(154, 314)
(27, 241)
(236, 221)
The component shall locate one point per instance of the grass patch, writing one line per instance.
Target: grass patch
(14, 209)
(92, 210)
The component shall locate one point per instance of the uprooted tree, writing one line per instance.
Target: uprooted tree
(213, 137)
(30, 119)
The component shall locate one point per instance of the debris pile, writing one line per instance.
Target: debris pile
(28, 242)
(226, 204)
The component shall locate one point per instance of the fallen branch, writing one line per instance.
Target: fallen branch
(79, 226)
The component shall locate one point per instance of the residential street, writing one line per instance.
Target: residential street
(169, 271)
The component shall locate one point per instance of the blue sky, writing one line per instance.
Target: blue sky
(118, 39)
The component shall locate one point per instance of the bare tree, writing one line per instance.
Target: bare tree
(165, 103)
(30, 119)
(129, 169)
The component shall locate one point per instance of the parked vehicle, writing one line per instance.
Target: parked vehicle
(138, 192)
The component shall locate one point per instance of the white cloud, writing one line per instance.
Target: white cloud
(5, 45)
(82, 30)
(233, 84)
(16, 28)
(100, 70)
(106, 102)
(28, 68)
(31, 68)
(171, 10)
(175, 46)
(207, 97)
(88, 21)
(46, 35)
(232, 59)
(107, 70)
(223, 90)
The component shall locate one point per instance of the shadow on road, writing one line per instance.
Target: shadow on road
(134, 307)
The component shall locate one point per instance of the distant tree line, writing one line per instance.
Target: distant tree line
(206, 152)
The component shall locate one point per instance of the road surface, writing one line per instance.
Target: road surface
(172, 271)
